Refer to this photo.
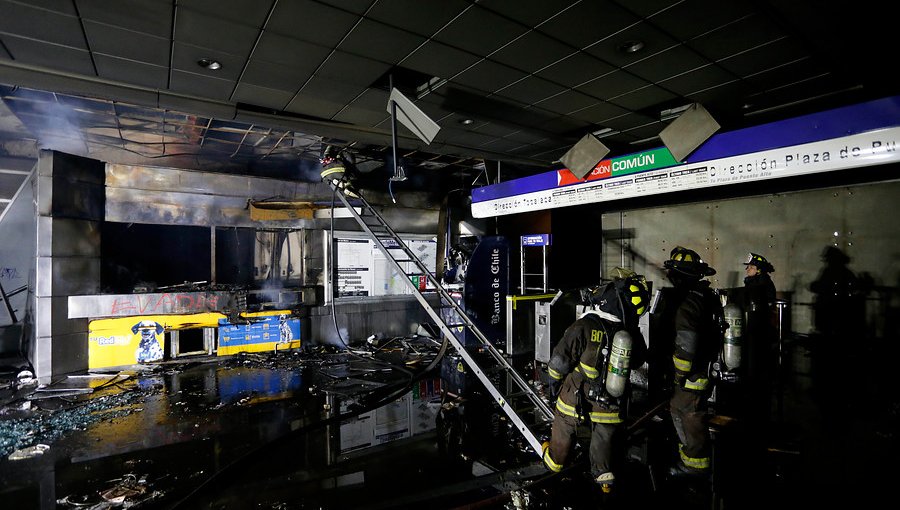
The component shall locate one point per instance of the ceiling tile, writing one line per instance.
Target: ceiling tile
(438, 59)
(567, 102)
(608, 49)
(378, 41)
(261, 96)
(468, 138)
(566, 126)
(433, 107)
(501, 145)
(531, 52)
(526, 12)
(495, 130)
(632, 120)
(647, 8)
(186, 56)
(728, 98)
(354, 6)
(612, 85)
(55, 5)
(53, 56)
(127, 44)
(682, 22)
(280, 49)
(587, 22)
(276, 76)
(375, 100)
(333, 90)
(130, 71)
(247, 13)
(479, 31)
(667, 63)
(545, 152)
(49, 26)
(489, 76)
(699, 79)
(524, 137)
(311, 21)
(643, 98)
(763, 58)
(314, 106)
(148, 16)
(744, 35)
(202, 86)
(361, 115)
(575, 69)
(409, 14)
(798, 71)
(530, 90)
(200, 29)
(352, 69)
(600, 113)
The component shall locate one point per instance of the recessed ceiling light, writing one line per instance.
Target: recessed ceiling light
(466, 122)
(208, 63)
(631, 46)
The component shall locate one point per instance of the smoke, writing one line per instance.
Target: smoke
(309, 170)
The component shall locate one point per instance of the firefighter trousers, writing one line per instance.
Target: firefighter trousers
(688, 417)
(562, 441)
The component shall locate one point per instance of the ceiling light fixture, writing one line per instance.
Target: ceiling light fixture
(631, 46)
(604, 132)
(208, 63)
(466, 122)
(673, 113)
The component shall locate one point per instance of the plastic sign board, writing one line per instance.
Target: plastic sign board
(123, 341)
(536, 240)
(857, 136)
(264, 332)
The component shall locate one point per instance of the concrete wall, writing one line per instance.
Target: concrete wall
(790, 230)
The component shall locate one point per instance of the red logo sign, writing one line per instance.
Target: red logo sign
(601, 171)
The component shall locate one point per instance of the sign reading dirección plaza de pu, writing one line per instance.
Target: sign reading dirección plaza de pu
(802, 146)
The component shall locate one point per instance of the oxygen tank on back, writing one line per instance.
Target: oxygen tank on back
(619, 364)
(731, 351)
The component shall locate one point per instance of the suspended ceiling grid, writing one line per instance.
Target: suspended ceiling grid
(511, 81)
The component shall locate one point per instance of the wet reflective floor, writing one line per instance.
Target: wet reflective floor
(271, 431)
(248, 431)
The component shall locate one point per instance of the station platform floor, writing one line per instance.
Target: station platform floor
(269, 430)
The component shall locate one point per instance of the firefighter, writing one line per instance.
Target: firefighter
(693, 328)
(759, 336)
(588, 373)
(760, 291)
(339, 170)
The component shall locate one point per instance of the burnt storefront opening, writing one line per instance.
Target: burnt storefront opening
(139, 257)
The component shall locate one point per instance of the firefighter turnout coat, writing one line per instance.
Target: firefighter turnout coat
(579, 361)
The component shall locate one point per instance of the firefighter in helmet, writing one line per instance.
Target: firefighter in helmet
(760, 337)
(692, 325)
(588, 373)
(339, 170)
(760, 289)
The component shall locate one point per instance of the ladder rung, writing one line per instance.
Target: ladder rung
(489, 367)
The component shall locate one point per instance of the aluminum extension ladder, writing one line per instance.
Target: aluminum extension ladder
(381, 233)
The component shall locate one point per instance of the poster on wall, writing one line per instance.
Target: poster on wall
(354, 267)
(264, 331)
(137, 339)
(364, 270)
